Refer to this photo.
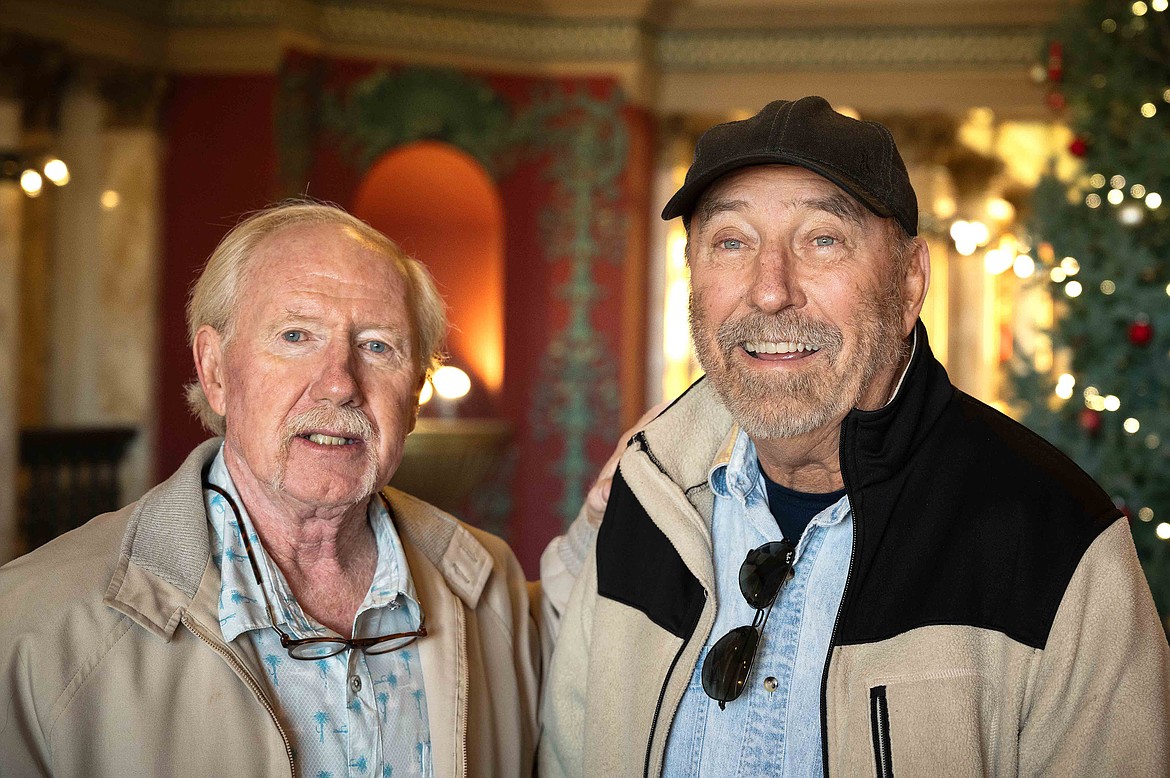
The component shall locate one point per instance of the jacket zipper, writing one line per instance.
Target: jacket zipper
(879, 722)
(465, 686)
(836, 621)
(251, 684)
(640, 440)
(661, 697)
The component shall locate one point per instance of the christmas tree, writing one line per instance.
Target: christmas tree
(1103, 237)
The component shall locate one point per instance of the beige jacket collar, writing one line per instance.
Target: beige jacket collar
(165, 558)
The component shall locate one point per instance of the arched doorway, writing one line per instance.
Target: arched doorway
(440, 205)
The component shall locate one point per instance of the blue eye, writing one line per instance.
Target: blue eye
(378, 347)
(824, 240)
(731, 243)
(293, 336)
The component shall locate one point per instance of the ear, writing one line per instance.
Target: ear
(422, 379)
(209, 364)
(915, 285)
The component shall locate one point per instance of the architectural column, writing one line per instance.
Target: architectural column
(75, 327)
(11, 207)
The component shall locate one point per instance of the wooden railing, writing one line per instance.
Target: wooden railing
(67, 476)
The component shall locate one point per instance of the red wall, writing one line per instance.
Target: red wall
(222, 163)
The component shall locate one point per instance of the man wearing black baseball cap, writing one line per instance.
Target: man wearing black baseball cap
(824, 558)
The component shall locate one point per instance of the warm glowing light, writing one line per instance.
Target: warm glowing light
(1057, 275)
(1064, 386)
(1096, 180)
(1024, 266)
(1092, 391)
(1117, 181)
(1073, 289)
(1131, 214)
(1108, 26)
(1112, 403)
(1153, 200)
(1108, 287)
(426, 394)
(1070, 266)
(1153, 441)
(1093, 200)
(1115, 196)
(1163, 530)
(676, 333)
(1149, 109)
(57, 172)
(1131, 425)
(1139, 8)
(111, 199)
(1159, 5)
(945, 207)
(999, 209)
(31, 182)
(1096, 402)
(995, 261)
(1138, 191)
(450, 382)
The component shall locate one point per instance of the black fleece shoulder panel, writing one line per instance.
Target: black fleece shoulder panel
(984, 526)
(638, 566)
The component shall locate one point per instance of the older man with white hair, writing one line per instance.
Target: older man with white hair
(273, 608)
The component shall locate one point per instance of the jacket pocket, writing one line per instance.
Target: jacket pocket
(879, 728)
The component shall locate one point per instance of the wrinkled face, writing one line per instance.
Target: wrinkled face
(797, 311)
(318, 384)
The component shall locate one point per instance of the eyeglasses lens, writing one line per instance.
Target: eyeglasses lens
(764, 571)
(726, 668)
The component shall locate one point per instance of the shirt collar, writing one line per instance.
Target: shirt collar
(241, 602)
(736, 471)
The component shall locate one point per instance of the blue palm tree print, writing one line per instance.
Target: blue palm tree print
(383, 701)
(355, 705)
(359, 764)
(322, 718)
(273, 660)
(387, 771)
(323, 666)
(421, 764)
(406, 660)
(324, 774)
(237, 598)
(418, 695)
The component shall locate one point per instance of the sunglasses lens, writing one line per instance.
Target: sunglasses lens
(726, 667)
(764, 571)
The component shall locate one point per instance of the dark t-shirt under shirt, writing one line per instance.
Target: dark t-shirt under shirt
(794, 510)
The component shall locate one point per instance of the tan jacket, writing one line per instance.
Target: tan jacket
(996, 620)
(112, 662)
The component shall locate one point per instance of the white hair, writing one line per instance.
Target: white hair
(215, 295)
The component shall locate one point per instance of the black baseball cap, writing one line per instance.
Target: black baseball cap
(860, 157)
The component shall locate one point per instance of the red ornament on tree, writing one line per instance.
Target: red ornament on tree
(1078, 147)
(1056, 101)
(1090, 421)
(1141, 331)
(1055, 62)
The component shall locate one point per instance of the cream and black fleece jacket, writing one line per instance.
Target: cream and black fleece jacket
(995, 620)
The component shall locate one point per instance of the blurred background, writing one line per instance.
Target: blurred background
(523, 149)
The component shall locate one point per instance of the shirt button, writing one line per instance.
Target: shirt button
(355, 683)
(770, 684)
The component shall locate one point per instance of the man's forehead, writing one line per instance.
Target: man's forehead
(810, 189)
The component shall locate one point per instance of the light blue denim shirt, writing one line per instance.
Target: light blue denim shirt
(764, 732)
(347, 715)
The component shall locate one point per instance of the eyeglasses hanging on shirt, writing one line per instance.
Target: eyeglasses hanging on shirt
(319, 647)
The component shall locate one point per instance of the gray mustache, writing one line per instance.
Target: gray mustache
(345, 421)
(781, 327)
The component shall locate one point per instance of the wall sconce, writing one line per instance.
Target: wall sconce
(450, 385)
(31, 172)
